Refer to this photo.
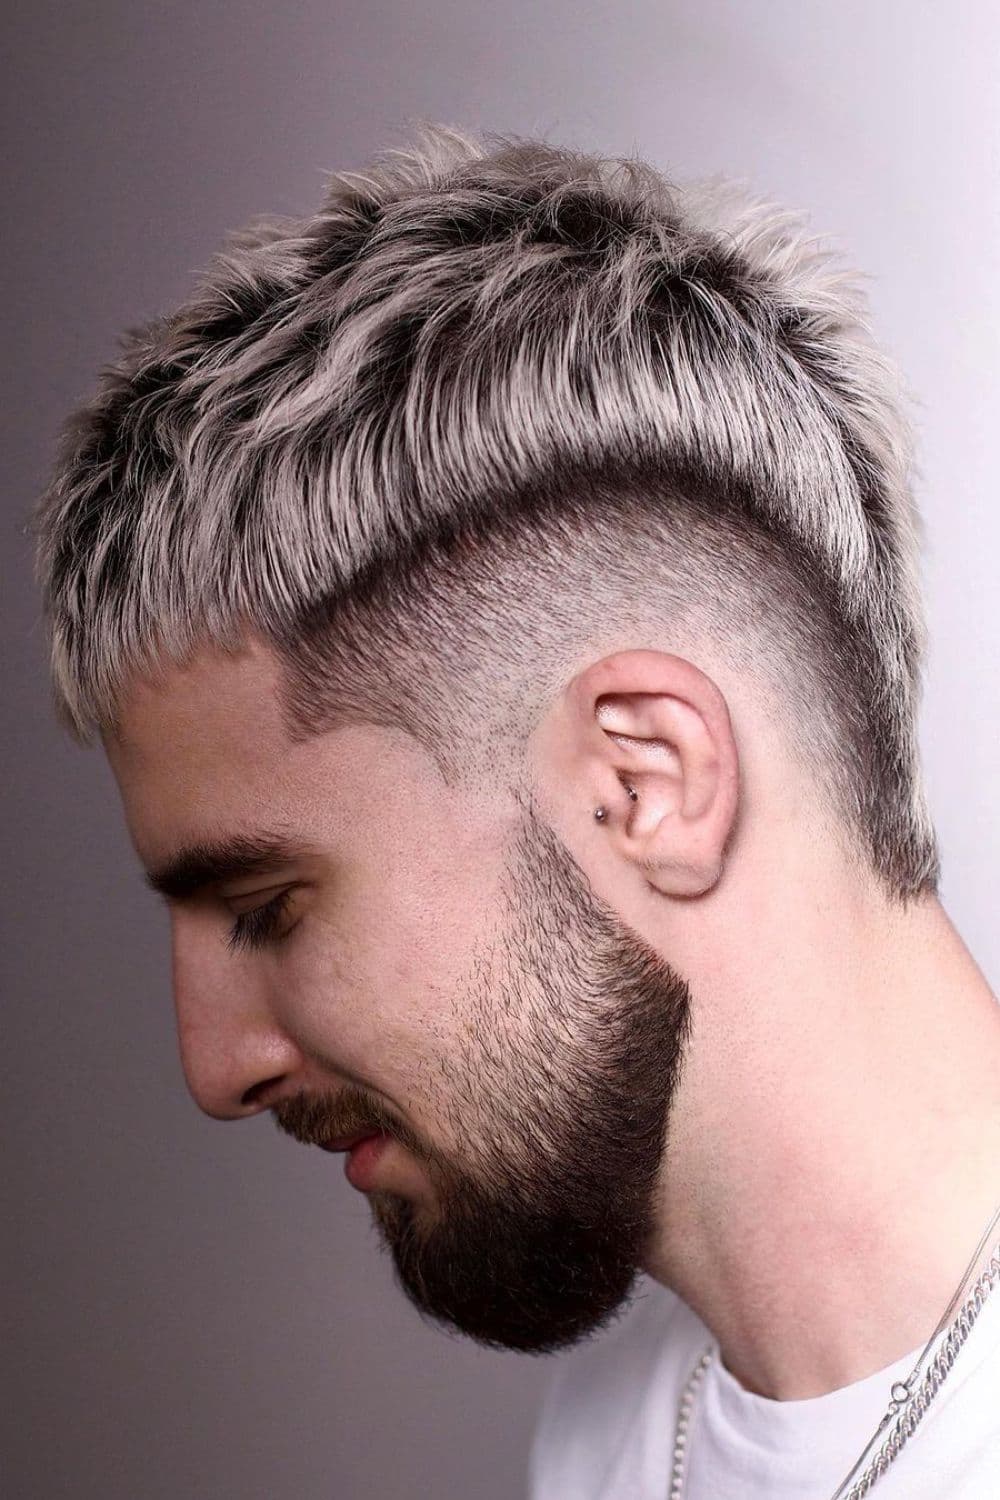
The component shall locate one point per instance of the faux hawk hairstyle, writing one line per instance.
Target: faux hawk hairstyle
(492, 395)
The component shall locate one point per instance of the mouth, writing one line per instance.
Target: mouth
(348, 1142)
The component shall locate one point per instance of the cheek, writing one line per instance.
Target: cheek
(381, 973)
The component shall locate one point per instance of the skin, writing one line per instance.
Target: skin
(692, 1039)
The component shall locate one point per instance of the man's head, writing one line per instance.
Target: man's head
(440, 970)
(510, 479)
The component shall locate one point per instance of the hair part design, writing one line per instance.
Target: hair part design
(491, 395)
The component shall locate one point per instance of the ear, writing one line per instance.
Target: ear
(656, 723)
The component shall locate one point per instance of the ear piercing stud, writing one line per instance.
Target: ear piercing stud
(601, 813)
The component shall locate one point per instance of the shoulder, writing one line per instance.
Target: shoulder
(596, 1395)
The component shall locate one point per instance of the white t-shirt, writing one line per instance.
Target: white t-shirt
(608, 1419)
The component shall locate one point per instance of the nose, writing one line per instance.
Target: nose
(237, 1058)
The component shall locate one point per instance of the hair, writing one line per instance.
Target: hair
(492, 399)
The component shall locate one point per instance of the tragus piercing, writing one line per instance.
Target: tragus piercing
(601, 813)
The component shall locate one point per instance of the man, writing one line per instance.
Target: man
(498, 598)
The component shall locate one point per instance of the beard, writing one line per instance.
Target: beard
(561, 1091)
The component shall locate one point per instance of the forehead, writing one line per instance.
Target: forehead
(194, 744)
(201, 756)
(201, 752)
(215, 708)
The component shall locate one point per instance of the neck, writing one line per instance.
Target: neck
(833, 1152)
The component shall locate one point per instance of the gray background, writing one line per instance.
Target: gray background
(202, 1312)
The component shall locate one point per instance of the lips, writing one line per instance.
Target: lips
(348, 1142)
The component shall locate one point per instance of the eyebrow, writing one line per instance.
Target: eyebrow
(194, 868)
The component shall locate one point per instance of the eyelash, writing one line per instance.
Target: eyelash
(254, 929)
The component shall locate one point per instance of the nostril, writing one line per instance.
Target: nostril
(257, 1095)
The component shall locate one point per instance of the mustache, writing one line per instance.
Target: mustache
(313, 1120)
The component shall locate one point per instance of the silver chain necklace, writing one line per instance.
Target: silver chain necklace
(908, 1402)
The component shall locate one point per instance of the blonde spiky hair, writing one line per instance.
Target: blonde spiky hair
(441, 419)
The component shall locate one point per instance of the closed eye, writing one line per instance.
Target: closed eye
(254, 929)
